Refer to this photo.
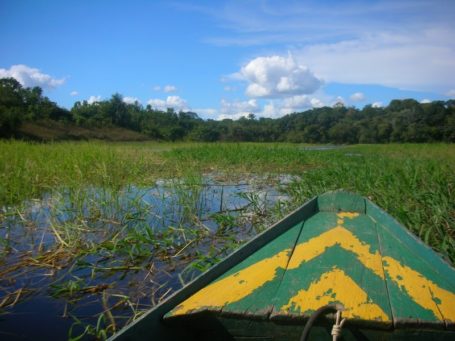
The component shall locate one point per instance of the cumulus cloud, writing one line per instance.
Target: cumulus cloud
(175, 102)
(94, 99)
(169, 88)
(237, 109)
(301, 102)
(30, 77)
(357, 97)
(273, 108)
(74, 93)
(377, 105)
(130, 100)
(277, 76)
(425, 100)
(298, 103)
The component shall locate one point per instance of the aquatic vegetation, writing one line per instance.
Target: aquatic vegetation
(105, 231)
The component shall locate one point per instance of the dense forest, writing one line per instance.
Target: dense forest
(401, 121)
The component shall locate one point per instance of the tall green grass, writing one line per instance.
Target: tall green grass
(414, 183)
(29, 169)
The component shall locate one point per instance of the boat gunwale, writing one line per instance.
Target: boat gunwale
(154, 316)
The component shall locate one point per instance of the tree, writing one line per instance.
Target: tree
(12, 106)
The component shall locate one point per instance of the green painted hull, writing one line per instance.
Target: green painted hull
(337, 248)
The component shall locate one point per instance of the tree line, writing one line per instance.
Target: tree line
(401, 121)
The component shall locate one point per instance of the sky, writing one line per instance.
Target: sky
(225, 59)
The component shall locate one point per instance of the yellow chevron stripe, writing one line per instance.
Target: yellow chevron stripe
(338, 235)
(336, 286)
(237, 286)
(422, 291)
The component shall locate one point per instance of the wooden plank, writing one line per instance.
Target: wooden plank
(419, 295)
(337, 260)
(413, 243)
(245, 290)
(265, 267)
(340, 200)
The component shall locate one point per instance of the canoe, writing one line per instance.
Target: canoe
(338, 249)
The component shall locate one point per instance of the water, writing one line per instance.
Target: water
(323, 147)
(71, 255)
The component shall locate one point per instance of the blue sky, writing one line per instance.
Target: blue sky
(229, 58)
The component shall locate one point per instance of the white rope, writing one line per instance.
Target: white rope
(336, 329)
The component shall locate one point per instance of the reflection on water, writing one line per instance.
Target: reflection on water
(73, 254)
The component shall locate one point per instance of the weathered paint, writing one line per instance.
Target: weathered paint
(340, 236)
(336, 285)
(236, 286)
(245, 278)
(341, 255)
(240, 284)
(349, 245)
(421, 290)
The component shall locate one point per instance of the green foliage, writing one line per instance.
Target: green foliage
(18, 104)
(401, 121)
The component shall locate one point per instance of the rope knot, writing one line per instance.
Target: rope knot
(336, 329)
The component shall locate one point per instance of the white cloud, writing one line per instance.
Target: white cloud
(175, 102)
(232, 116)
(316, 103)
(130, 100)
(169, 88)
(377, 105)
(299, 103)
(387, 59)
(74, 93)
(30, 77)
(157, 88)
(357, 97)
(272, 109)
(277, 76)
(237, 109)
(451, 93)
(425, 100)
(404, 44)
(339, 101)
(94, 99)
